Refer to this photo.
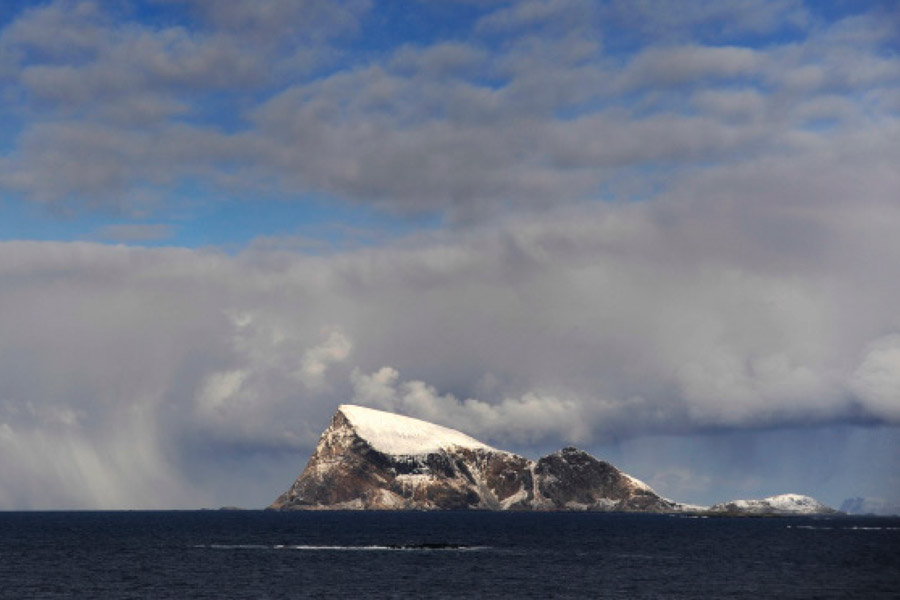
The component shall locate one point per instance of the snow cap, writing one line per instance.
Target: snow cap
(395, 434)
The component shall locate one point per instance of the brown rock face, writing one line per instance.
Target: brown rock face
(572, 478)
(346, 471)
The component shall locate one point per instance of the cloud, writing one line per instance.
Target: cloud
(556, 14)
(877, 380)
(533, 416)
(635, 238)
(335, 348)
(314, 19)
(254, 397)
(112, 109)
(461, 128)
(135, 232)
(679, 65)
(584, 326)
(712, 20)
(66, 467)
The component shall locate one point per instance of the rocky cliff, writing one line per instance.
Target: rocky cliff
(370, 459)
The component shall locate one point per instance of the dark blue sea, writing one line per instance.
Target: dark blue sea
(255, 554)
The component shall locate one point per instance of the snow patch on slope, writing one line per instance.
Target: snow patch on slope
(782, 503)
(637, 483)
(398, 435)
(794, 503)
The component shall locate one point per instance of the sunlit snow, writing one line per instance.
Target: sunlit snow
(787, 503)
(395, 434)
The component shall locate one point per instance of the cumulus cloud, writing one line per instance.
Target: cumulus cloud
(111, 102)
(335, 348)
(533, 416)
(133, 232)
(584, 326)
(877, 380)
(555, 14)
(712, 20)
(460, 128)
(678, 65)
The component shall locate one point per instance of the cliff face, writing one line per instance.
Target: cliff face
(573, 479)
(368, 459)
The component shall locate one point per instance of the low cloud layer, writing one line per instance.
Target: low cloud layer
(664, 232)
(594, 326)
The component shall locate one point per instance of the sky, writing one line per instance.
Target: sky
(664, 232)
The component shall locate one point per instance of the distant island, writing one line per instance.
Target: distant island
(370, 459)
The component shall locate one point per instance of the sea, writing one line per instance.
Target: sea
(259, 554)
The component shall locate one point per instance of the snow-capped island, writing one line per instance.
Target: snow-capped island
(782, 504)
(370, 459)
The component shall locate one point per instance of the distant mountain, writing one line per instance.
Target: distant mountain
(783, 504)
(870, 506)
(369, 459)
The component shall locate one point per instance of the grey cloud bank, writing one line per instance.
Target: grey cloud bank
(646, 235)
(599, 326)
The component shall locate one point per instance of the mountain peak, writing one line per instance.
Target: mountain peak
(372, 459)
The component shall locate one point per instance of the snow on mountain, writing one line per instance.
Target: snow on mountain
(369, 459)
(793, 504)
(398, 435)
(637, 483)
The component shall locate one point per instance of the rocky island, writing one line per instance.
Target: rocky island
(782, 504)
(369, 459)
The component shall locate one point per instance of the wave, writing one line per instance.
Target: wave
(851, 528)
(331, 548)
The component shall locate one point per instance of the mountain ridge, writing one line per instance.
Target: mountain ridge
(373, 460)
(367, 459)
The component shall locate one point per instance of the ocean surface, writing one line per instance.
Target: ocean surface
(256, 554)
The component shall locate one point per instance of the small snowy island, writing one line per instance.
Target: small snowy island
(370, 459)
(782, 504)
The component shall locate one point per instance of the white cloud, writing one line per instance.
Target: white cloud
(556, 14)
(119, 464)
(584, 325)
(135, 232)
(710, 19)
(276, 19)
(877, 379)
(679, 65)
(334, 349)
(532, 417)
(453, 128)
